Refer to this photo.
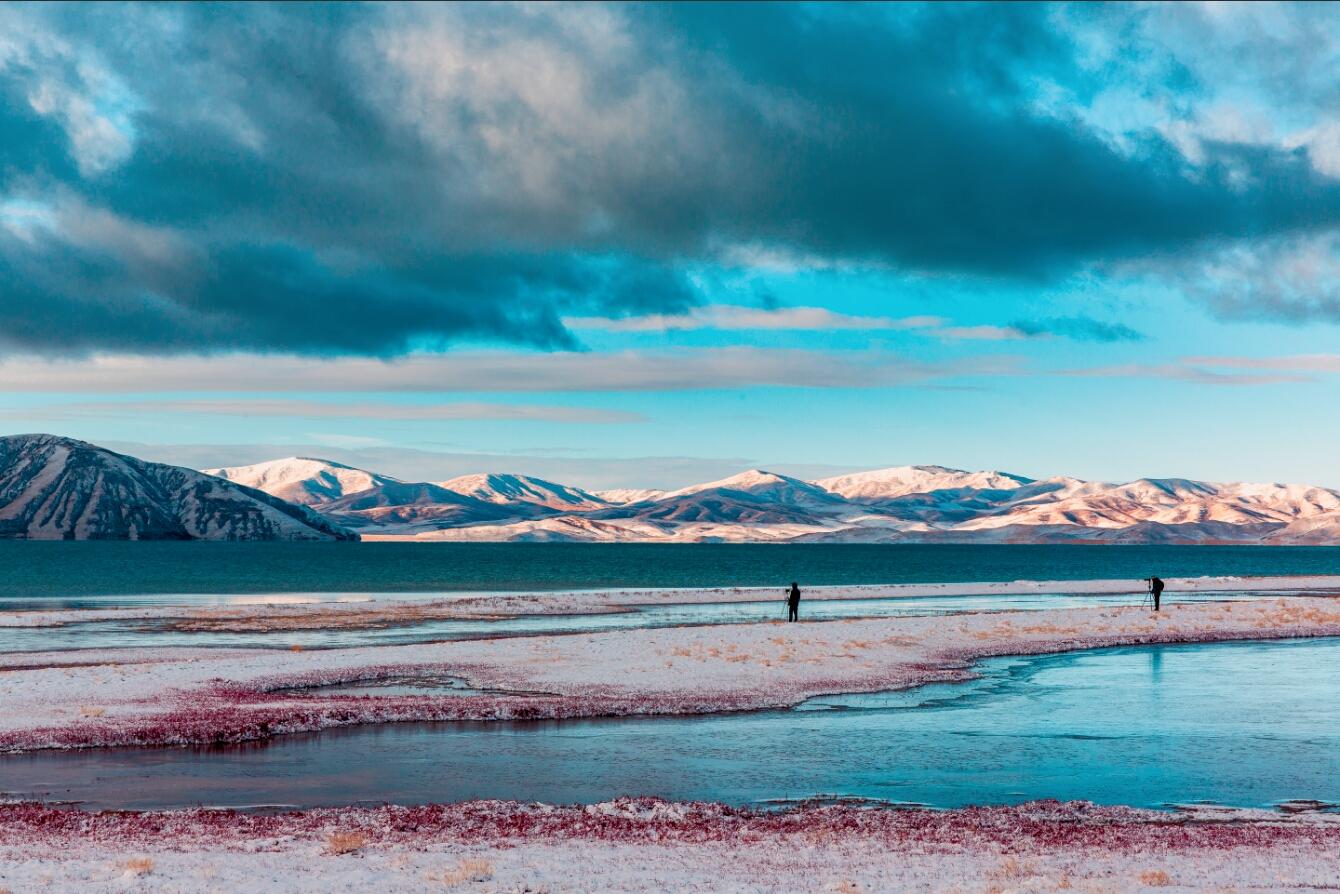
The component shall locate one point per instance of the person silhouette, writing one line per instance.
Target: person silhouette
(1155, 587)
(793, 603)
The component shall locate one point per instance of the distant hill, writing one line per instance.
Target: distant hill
(888, 484)
(54, 488)
(300, 479)
(504, 488)
(621, 495)
(901, 504)
(405, 505)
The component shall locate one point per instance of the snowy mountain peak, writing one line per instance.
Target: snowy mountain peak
(1172, 486)
(891, 483)
(307, 481)
(620, 496)
(504, 488)
(753, 481)
(55, 488)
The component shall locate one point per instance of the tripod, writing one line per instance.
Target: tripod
(1152, 593)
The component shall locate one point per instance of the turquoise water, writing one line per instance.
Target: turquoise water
(74, 571)
(1244, 724)
(140, 634)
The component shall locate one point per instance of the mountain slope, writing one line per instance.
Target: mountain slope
(902, 504)
(763, 486)
(754, 497)
(54, 488)
(413, 507)
(503, 489)
(888, 484)
(621, 495)
(301, 479)
(1167, 501)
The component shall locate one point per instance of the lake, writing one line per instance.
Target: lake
(73, 569)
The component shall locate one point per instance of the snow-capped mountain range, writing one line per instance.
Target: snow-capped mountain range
(907, 504)
(54, 488)
(60, 488)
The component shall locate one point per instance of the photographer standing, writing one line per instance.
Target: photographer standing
(1155, 587)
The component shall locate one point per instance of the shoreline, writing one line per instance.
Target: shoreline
(269, 611)
(198, 696)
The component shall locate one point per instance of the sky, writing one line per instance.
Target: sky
(648, 245)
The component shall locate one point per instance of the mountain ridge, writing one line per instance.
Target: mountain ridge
(53, 487)
(898, 504)
(56, 488)
(305, 480)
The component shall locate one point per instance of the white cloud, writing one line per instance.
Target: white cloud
(982, 333)
(1263, 75)
(1289, 279)
(1329, 363)
(71, 85)
(1186, 371)
(686, 370)
(520, 97)
(147, 251)
(1323, 147)
(306, 409)
(348, 442)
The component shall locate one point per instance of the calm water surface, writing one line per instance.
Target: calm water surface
(1246, 724)
(74, 571)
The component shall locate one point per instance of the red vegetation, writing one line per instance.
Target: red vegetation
(226, 712)
(1027, 827)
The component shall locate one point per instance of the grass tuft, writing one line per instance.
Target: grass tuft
(138, 866)
(1155, 878)
(471, 869)
(345, 842)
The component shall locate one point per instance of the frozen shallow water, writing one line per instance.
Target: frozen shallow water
(140, 633)
(1243, 724)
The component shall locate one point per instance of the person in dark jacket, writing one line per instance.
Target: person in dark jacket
(793, 603)
(1156, 588)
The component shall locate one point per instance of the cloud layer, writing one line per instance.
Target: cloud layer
(728, 317)
(684, 370)
(309, 409)
(374, 180)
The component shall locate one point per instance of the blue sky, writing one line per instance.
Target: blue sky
(647, 244)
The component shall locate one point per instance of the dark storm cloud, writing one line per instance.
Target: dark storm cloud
(364, 179)
(79, 299)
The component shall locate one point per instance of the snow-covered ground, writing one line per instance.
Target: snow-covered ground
(643, 845)
(908, 504)
(294, 611)
(160, 696)
(324, 610)
(54, 488)
(90, 698)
